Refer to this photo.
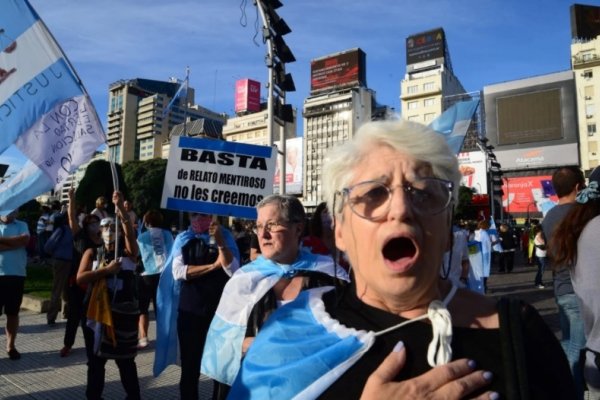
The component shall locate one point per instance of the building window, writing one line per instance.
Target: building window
(588, 74)
(414, 118)
(412, 89)
(429, 102)
(589, 110)
(587, 56)
(413, 105)
(589, 92)
(591, 129)
(429, 117)
(427, 87)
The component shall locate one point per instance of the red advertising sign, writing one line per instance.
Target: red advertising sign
(340, 70)
(247, 95)
(528, 194)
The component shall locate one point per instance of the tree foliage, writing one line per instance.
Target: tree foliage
(97, 182)
(464, 209)
(145, 180)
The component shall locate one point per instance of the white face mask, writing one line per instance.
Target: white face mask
(108, 236)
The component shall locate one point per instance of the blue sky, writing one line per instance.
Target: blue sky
(490, 41)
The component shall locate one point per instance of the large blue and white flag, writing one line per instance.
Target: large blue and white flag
(454, 122)
(493, 232)
(180, 94)
(44, 110)
(222, 354)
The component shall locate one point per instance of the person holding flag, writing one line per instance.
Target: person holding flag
(47, 115)
(112, 309)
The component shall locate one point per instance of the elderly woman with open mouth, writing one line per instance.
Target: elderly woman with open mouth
(399, 330)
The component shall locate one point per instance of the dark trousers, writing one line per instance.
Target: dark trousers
(507, 261)
(75, 314)
(96, 371)
(191, 331)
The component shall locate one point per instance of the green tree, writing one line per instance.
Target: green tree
(145, 180)
(97, 182)
(464, 209)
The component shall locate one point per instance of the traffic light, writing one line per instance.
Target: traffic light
(496, 179)
(279, 54)
(284, 112)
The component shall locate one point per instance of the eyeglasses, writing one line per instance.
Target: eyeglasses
(371, 199)
(271, 227)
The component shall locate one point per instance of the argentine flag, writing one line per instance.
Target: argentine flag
(454, 123)
(44, 110)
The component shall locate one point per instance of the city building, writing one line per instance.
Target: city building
(532, 125)
(585, 63)
(338, 104)
(137, 129)
(429, 77)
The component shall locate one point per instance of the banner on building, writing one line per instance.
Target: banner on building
(217, 177)
(294, 164)
(472, 168)
(528, 194)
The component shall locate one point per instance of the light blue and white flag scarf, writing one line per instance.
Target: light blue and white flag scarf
(167, 302)
(476, 261)
(223, 349)
(301, 350)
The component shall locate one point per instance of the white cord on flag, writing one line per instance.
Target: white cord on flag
(440, 350)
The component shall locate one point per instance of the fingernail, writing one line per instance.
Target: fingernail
(494, 396)
(472, 364)
(399, 346)
(487, 375)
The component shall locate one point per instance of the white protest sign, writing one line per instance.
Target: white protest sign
(217, 177)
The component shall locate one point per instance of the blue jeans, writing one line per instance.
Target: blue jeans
(540, 272)
(573, 337)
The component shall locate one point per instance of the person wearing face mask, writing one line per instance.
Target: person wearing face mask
(155, 245)
(112, 304)
(200, 264)
(85, 236)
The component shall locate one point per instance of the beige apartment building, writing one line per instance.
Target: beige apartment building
(136, 127)
(585, 62)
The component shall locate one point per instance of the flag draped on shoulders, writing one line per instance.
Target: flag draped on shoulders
(44, 110)
(167, 302)
(475, 281)
(300, 352)
(223, 349)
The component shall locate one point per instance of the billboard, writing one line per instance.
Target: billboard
(531, 121)
(538, 157)
(247, 95)
(293, 166)
(529, 117)
(472, 168)
(425, 46)
(585, 22)
(337, 71)
(527, 194)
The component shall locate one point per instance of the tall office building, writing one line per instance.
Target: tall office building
(338, 104)
(585, 62)
(136, 127)
(429, 77)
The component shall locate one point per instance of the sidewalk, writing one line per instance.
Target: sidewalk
(42, 374)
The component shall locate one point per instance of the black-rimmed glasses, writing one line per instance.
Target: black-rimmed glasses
(371, 199)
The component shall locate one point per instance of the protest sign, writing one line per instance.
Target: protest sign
(217, 177)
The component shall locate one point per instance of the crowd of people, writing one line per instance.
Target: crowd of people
(379, 294)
